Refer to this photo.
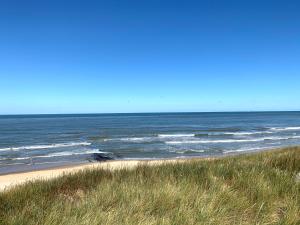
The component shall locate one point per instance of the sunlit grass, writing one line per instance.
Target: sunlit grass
(259, 188)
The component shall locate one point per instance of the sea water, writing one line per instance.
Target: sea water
(34, 141)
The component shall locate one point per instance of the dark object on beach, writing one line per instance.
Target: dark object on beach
(99, 157)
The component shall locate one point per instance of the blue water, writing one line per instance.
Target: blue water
(31, 140)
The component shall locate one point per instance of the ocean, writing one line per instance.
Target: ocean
(40, 141)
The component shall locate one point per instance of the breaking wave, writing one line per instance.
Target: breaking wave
(284, 128)
(229, 140)
(59, 154)
(33, 147)
(175, 135)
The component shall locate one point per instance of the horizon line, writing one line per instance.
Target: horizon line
(171, 112)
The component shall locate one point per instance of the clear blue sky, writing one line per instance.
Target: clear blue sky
(149, 56)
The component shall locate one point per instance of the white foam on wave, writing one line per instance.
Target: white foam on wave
(150, 138)
(229, 140)
(245, 150)
(248, 133)
(284, 128)
(131, 139)
(206, 141)
(136, 139)
(61, 154)
(68, 153)
(33, 147)
(269, 131)
(175, 135)
(188, 150)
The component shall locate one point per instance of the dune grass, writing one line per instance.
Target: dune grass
(261, 188)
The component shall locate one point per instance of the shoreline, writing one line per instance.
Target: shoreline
(11, 180)
(25, 168)
(68, 164)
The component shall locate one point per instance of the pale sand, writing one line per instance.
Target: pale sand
(10, 180)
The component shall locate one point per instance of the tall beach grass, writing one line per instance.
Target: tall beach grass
(261, 188)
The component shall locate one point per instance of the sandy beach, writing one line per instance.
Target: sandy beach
(9, 180)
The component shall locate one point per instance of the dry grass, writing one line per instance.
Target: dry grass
(260, 188)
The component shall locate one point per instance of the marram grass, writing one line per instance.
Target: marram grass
(261, 188)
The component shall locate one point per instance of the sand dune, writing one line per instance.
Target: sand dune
(10, 180)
